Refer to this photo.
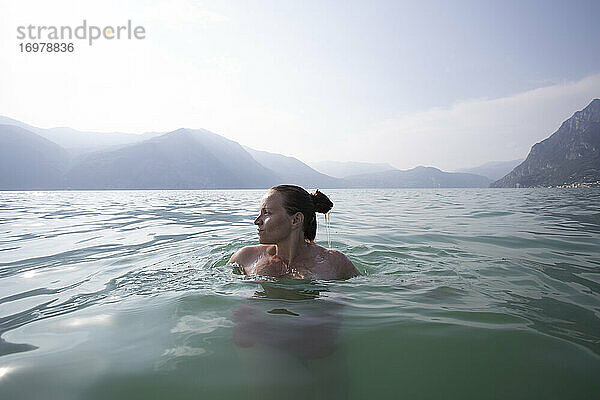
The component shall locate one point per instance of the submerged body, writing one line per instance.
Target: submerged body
(286, 230)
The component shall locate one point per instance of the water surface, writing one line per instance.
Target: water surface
(465, 293)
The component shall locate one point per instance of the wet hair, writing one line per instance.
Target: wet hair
(296, 199)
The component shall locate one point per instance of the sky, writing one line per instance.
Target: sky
(450, 84)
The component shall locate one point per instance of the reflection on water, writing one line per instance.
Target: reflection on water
(288, 340)
(9, 348)
(290, 290)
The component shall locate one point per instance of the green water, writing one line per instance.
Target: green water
(465, 294)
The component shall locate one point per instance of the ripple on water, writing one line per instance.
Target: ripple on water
(96, 286)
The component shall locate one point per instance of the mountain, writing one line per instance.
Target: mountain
(343, 169)
(81, 141)
(419, 177)
(494, 169)
(29, 161)
(182, 159)
(90, 141)
(570, 155)
(292, 170)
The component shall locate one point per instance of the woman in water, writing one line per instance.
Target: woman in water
(287, 226)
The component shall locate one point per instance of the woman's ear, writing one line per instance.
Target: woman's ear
(298, 219)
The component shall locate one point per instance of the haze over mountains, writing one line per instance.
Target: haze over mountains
(494, 169)
(62, 158)
(78, 141)
(290, 169)
(29, 161)
(182, 159)
(344, 169)
(419, 177)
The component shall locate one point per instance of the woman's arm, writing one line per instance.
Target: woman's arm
(245, 257)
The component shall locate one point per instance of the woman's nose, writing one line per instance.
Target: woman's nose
(257, 221)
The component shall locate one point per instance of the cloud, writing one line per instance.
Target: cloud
(473, 132)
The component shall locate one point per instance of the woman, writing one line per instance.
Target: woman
(287, 226)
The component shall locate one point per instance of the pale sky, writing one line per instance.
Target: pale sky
(450, 84)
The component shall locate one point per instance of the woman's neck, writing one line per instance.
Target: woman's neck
(292, 249)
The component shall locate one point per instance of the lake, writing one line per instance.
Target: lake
(465, 294)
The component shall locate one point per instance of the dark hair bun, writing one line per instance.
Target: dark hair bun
(321, 202)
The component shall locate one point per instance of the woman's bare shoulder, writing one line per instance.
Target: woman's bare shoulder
(249, 254)
(339, 263)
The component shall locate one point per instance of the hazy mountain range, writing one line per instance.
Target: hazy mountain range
(78, 141)
(62, 158)
(290, 169)
(494, 169)
(571, 155)
(182, 159)
(344, 169)
(29, 161)
(419, 177)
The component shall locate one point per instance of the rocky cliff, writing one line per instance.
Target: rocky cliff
(570, 155)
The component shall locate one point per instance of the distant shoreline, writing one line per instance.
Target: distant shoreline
(582, 185)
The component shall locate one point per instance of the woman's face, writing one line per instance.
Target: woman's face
(274, 223)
